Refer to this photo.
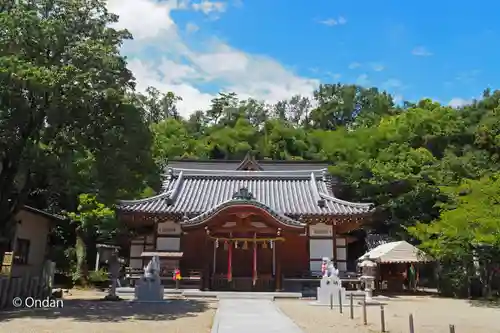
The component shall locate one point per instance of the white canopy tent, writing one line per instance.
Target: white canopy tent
(396, 252)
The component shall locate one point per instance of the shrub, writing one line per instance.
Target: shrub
(99, 278)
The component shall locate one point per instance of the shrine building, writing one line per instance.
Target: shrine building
(243, 225)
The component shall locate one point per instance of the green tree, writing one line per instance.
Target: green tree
(92, 221)
(349, 105)
(466, 236)
(157, 106)
(173, 140)
(62, 93)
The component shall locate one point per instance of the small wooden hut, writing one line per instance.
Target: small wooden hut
(394, 260)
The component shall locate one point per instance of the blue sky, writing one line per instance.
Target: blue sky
(271, 49)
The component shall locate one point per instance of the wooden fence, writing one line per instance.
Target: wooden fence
(38, 286)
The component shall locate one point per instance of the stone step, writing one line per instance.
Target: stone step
(245, 295)
(128, 291)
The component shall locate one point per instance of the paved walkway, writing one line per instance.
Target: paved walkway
(251, 316)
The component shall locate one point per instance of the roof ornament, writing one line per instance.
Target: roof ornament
(325, 174)
(249, 163)
(243, 194)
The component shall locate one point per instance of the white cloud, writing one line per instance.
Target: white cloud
(155, 16)
(146, 75)
(208, 7)
(421, 51)
(183, 66)
(334, 21)
(191, 27)
(378, 67)
(458, 102)
(354, 65)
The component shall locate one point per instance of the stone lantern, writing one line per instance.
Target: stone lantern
(368, 270)
(110, 254)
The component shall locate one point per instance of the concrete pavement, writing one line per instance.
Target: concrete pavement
(251, 316)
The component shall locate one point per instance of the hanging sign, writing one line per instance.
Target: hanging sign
(7, 263)
(169, 228)
(320, 230)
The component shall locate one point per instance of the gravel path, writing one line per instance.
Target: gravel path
(91, 315)
(431, 315)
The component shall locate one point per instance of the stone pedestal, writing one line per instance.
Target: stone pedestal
(149, 290)
(331, 287)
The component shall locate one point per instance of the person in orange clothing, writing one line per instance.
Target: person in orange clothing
(177, 277)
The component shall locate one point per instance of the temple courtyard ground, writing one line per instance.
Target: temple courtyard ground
(431, 315)
(84, 312)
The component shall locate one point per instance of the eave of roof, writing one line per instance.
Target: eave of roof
(291, 192)
(40, 212)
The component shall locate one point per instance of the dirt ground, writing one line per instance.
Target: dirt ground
(84, 312)
(431, 315)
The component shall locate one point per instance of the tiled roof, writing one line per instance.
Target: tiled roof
(192, 192)
(242, 197)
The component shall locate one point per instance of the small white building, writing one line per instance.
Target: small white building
(30, 243)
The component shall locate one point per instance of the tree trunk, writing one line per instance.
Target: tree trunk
(82, 273)
(7, 233)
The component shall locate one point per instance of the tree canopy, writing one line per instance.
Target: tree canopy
(65, 118)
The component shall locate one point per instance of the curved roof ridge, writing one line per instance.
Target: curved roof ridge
(314, 188)
(219, 207)
(172, 194)
(344, 202)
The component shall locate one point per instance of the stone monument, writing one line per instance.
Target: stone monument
(330, 289)
(149, 287)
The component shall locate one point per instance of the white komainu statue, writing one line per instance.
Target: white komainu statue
(152, 270)
(328, 268)
(149, 288)
(330, 290)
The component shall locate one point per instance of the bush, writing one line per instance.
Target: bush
(99, 278)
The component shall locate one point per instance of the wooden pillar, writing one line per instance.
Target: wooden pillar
(274, 259)
(214, 259)
(278, 265)
(334, 235)
(206, 264)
